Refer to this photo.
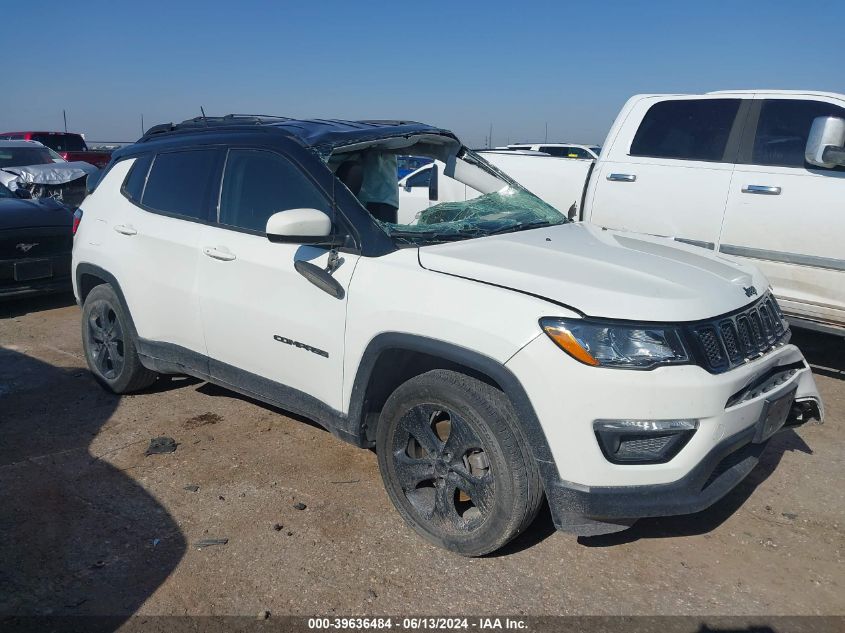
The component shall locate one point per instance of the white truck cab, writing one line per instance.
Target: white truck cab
(729, 171)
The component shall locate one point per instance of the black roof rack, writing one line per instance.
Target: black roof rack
(209, 121)
(322, 135)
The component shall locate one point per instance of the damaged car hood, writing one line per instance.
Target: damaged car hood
(51, 174)
(603, 273)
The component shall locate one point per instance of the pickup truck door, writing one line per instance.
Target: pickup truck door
(414, 194)
(786, 216)
(268, 329)
(669, 168)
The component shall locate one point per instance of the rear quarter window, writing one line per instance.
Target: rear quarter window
(688, 129)
(133, 184)
(180, 183)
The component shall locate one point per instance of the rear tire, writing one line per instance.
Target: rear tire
(109, 344)
(456, 464)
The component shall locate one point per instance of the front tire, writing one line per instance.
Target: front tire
(456, 464)
(109, 344)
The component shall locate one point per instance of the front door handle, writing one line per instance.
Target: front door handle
(622, 177)
(765, 190)
(216, 253)
(125, 229)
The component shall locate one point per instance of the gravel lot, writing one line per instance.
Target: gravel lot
(91, 525)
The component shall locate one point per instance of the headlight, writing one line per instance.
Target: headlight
(607, 344)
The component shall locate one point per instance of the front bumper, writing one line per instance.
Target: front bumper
(588, 494)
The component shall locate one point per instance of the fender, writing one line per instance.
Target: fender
(476, 361)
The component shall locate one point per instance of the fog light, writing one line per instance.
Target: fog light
(643, 441)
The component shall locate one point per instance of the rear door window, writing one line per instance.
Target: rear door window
(783, 128)
(259, 183)
(689, 129)
(180, 183)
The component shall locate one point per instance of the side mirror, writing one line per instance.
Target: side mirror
(26, 194)
(826, 143)
(300, 226)
(433, 191)
(407, 186)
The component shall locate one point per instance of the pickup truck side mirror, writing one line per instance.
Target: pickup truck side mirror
(301, 226)
(826, 142)
(433, 191)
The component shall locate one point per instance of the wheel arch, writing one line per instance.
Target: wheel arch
(89, 276)
(391, 358)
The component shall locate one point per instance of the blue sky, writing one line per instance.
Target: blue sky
(461, 65)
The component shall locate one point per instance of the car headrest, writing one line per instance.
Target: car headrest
(351, 174)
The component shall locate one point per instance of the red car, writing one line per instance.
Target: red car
(70, 145)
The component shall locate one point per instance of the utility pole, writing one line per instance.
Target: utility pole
(142, 125)
(490, 138)
(64, 116)
(547, 132)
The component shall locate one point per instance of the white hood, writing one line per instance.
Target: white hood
(604, 273)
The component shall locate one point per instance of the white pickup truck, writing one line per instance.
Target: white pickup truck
(758, 175)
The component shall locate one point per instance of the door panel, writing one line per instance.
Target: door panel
(260, 315)
(680, 199)
(670, 174)
(156, 263)
(788, 218)
(796, 237)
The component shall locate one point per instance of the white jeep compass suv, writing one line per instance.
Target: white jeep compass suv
(492, 352)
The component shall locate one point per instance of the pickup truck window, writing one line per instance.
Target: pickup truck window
(420, 179)
(62, 142)
(783, 128)
(179, 183)
(686, 129)
(258, 183)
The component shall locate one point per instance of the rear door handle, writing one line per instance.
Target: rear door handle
(622, 177)
(216, 253)
(125, 229)
(765, 190)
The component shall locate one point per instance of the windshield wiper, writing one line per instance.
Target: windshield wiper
(428, 235)
(523, 226)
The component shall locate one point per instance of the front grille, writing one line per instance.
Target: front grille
(736, 338)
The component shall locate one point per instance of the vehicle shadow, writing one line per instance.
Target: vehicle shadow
(711, 518)
(215, 391)
(19, 307)
(824, 352)
(80, 537)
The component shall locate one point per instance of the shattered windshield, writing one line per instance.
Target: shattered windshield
(454, 197)
(467, 199)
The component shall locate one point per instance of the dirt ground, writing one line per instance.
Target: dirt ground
(90, 525)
